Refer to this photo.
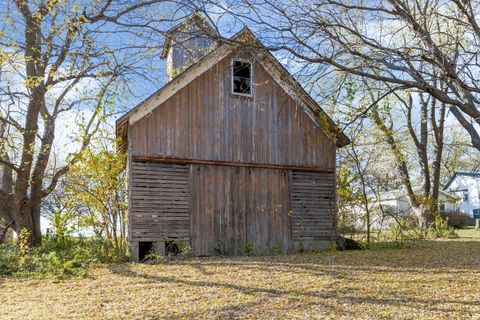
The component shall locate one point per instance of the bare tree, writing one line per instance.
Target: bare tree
(405, 44)
(425, 132)
(57, 57)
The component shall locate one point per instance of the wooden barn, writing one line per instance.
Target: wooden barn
(231, 156)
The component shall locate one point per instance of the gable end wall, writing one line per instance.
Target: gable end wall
(204, 121)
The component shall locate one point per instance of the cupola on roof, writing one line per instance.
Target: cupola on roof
(187, 42)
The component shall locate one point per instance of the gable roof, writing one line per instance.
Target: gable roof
(397, 193)
(461, 173)
(282, 77)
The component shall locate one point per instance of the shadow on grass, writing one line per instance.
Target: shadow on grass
(436, 257)
(321, 297)
(424, 257)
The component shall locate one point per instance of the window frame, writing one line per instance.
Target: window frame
(232, 61)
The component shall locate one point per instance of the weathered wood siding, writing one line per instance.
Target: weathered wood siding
(313, 206)
(159, 202)
(231, 210)
(240, 188)
(205, 121)
(235, 210)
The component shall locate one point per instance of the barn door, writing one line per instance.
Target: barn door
(313, 208)
(159, 202)
(237, 210)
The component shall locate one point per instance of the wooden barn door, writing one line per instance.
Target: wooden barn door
(313, 207)
(159, 202)
(237, 210)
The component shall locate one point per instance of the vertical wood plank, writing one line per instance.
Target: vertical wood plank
(229, 207)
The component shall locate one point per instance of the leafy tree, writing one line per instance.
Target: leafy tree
(348, 197)
(95, 189)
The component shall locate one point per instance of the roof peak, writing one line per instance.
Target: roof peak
(280, 74)
(460, 173)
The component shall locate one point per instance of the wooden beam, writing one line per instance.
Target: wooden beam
(231, 164)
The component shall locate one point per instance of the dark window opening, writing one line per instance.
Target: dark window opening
(465, 196)
(144, 248)
(242, 77)
(442, 208)
(171, 248)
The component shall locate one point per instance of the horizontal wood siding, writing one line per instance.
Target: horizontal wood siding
(159, 202)
(205, 121)
(313, 206)
(239, 210)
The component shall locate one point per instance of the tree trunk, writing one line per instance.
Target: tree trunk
(6, 185)
(23, 219)
(4, 233)
(35, 213)
(421, 212)
(417, 206)
(437, 151)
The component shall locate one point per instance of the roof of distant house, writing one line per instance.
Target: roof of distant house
(397, 193)
(460, 173)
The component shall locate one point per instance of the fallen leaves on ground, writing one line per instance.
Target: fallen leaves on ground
(433, 280)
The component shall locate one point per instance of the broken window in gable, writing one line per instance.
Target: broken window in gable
(242, 77)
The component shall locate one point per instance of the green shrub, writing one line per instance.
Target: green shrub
(440, 229)
(185, 249)
(9, 258)
(404, 228)
(442, 232)
(248, 248)
(407, 222)
(153, 256)
(276, 248)
(57, 257)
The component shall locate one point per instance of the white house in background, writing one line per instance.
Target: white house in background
(466, 186)
(394, 204)
(397, 200)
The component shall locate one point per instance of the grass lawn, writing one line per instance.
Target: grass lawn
(469, 233)
(433, 280)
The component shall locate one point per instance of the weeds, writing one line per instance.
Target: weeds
(68, 257)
